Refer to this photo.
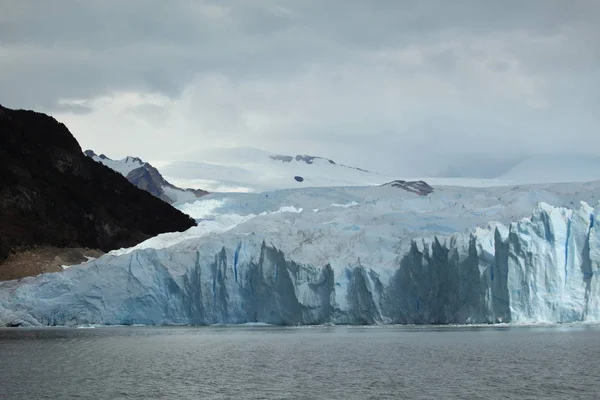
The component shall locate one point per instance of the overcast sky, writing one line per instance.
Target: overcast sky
(402, 87)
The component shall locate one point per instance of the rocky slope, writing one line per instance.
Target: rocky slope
(52, 195)
(146, 177)
(38, 260)
(419, 187)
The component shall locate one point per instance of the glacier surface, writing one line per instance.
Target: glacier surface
(343, 256)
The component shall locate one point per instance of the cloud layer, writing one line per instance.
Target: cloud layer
(407, 88)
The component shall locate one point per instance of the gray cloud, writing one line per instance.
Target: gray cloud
(420, 87)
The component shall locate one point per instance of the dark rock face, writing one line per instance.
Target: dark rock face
(52, 194)
(300, 157)
(150, 180)
(311, 159)
(419, 187)
(281, 158)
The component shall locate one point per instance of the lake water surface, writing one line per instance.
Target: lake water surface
(301, 363)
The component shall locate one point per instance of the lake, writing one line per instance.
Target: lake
(264, 362)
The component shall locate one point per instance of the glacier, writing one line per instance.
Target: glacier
(382, 258)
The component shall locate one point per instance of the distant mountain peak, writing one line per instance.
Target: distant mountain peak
(131, 159)
(419, 187)
(300, 157)
(146, 177)
(307, 159)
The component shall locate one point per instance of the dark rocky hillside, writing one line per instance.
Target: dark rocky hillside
(51, 194)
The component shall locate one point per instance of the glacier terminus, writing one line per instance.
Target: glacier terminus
(370, 255)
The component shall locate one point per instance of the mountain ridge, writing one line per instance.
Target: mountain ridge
(146, 177)
(255, 170)
(310, 160)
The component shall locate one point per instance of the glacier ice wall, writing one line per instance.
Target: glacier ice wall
(542, 269)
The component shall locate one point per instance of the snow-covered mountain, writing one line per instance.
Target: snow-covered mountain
(253, 170)
(343, 255)
(146, 177)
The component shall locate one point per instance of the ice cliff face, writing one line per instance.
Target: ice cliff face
(542, 269)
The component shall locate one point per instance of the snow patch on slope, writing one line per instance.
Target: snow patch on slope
(124, 166)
